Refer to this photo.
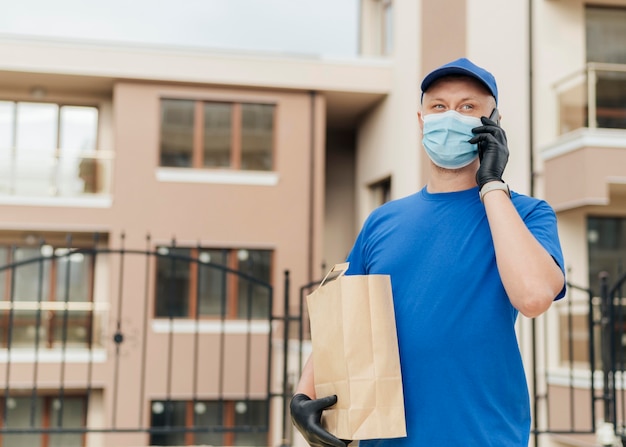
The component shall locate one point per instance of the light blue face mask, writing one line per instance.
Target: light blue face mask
(446, 137)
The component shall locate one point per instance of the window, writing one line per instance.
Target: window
(606, 239)
(187, 288)
(44, 412)
(387, 27)
(377, 27)
(217, 135)
(606, 242)
(246, 419)
(46, 275)
(380, 192)
(606, 32)
(44, 146)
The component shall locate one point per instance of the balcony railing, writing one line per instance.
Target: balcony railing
(55, 174)
(593, 97)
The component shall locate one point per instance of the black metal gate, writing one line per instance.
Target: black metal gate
(138, 347)
(586, 400)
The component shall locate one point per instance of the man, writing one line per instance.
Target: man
(465, 256)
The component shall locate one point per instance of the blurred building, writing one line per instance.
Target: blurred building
(112, 154)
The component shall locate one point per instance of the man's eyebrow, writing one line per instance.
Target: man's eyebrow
(466, 98)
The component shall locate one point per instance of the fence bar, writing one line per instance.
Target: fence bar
(144, 331)
(118, 338)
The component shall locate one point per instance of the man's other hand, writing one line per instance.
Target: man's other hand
(306, 414)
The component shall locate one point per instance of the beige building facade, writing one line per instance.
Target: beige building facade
(232, 157)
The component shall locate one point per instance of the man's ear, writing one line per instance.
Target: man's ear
(420, 120)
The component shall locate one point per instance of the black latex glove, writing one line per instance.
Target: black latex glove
(306, 414)
(492, 150)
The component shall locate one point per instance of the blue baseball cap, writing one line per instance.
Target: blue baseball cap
(464, 67)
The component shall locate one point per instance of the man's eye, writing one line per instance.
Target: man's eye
(467, 107)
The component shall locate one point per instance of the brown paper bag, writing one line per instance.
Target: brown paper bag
(355, 355)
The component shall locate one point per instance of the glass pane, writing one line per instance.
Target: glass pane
(79, 129)
(7, 122)
(217, 134)
(4, 260)
(172, 283)
(177, 123)
(71, 328)
(210, 415)
(606, 239)
(7, 137)
(388, 27)
(168, 414)
(606, 32)
(251, 414)
(72, 278)
(611, 100)
(36, 143)
(257, 137)
(254, 299)
(37, 128)
(21, 411)
(212, 282)
(71, 413)
(24, 326)
(31, 280)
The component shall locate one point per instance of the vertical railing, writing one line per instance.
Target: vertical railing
(592, 81)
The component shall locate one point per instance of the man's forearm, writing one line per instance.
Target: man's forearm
(529, 274)
(306, 385)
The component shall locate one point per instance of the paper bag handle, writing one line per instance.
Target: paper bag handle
(340, 268)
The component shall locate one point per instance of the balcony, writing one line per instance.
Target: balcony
(586, 165)
(52, 177)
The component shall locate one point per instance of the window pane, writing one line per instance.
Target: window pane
(177, 122)
(387, 27)
(172, 283)
(209, 415)
(36, 142)
(611, 100)
(606, 246)
(606, 32)
(254, 299)
(19, 413)
(72, 278)
(257, 137)
(71, 329)
(251, 414)
(217, 134)
(31, 283)
(7, 137)
(31, 279)
(168, 414)
(37, 127)
(212, 286)
(71, 414)
(79, 129)
(7, 121)
(4, 259)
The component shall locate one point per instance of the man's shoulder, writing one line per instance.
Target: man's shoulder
(526, 204)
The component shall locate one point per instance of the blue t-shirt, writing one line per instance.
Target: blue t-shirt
(463, 378)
